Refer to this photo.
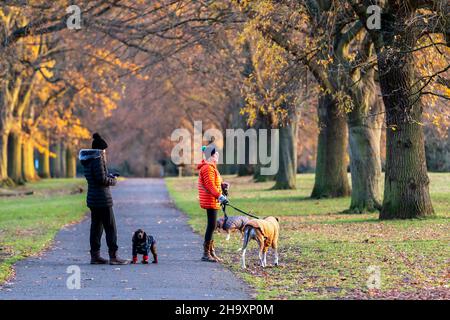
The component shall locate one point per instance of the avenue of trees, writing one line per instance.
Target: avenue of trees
(350, 95)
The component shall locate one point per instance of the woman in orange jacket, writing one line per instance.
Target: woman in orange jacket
(210, 197)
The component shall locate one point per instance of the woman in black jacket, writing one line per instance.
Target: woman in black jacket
(99, 201)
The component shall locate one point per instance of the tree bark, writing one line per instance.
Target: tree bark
(44, 164)
(331, 165)
(55, 162)
(29, 171)
(15, 157)
(71, 163)
(246, 169)
(257, 176)
(235, 121)
(286, 177)
(4, 135)
(406, 187)
(406, 191)
(239, 121)
(62, 160)
(364, 123)
(4, 179)
(365, 167)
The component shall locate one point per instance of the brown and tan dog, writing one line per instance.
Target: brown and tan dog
(232, 224)
(265, 232)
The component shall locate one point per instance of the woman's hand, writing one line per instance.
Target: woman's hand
(223, 199)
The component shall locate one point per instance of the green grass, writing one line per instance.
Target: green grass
(324, 253)
(51, 185)
(28, 224)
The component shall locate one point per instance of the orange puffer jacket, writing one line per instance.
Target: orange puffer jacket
(209, 189)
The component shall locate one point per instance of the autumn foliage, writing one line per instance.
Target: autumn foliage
(344, 96)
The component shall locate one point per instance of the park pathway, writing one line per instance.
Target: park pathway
(139, 203)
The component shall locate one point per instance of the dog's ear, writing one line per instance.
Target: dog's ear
(145, 235)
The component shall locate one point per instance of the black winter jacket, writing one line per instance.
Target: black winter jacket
(98, 179)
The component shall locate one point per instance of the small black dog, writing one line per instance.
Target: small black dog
(143, 244)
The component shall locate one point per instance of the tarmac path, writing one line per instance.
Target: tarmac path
(138, 203)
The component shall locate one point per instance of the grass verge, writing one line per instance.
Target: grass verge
(28, 224)
(325, 254)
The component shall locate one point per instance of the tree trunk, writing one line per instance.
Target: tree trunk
(55, 162)
(15, 157)
(365, 167)
(257, 176)
(331, 165)
(406, 191)
(44, 164)
(225, 168)
(406, 187)
(71, 163)
(63, 160)
(233, 121)
(239, 121)
(246, 169)
(29, 171)
(365, 122)
(287, 172)
(4, 179)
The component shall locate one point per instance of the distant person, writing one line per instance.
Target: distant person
(210, 197)
(99, 201)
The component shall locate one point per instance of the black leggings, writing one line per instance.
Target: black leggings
(212, 218)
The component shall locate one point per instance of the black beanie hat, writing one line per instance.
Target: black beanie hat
(98, 142)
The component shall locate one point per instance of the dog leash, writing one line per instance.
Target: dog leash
(228, 204)
(225, 216)
(241, 211)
